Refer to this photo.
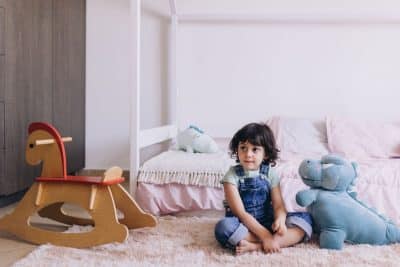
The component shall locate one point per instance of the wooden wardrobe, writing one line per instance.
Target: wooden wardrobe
(42, 78)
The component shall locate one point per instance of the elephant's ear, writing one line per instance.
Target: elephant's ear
(330, 179)
(197, 129)
(333, 159)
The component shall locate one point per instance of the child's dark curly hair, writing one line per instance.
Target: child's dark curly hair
(257, 134)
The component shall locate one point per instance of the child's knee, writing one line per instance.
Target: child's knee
(227, 229)
(223, 229)
(303, 221)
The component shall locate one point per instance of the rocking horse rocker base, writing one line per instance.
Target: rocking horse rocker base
(101, 197)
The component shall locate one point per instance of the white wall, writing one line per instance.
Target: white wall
(108, 96)
(243, 73)
(233, 74)
(107, 92)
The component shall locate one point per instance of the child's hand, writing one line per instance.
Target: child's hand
(279, 225)
(270, 245)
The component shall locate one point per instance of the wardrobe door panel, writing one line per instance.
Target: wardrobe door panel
(2, 151)
(2, 28)
(2, 51)
(2, 79)
(2, 102)
(2, 123)
(42, 78)
(2, 92)
(42, 65)
(28, 63)
(69, 77)
(2, 178)
(28, 93)
(18, 174)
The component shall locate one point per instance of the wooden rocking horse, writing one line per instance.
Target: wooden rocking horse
(99, 196)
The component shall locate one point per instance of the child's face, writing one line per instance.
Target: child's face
(250, 156)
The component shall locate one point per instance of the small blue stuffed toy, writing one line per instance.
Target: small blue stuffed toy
(195, 140)
(338, 216)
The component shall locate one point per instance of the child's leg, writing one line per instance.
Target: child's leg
(292, 236)
(232, 234)
(249, 243)
(230, 231)
(299, 229)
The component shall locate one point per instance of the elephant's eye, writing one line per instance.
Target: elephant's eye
(31, 145)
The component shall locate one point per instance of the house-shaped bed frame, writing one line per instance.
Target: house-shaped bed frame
(141, 138)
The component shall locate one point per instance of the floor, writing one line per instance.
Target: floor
(12, 249)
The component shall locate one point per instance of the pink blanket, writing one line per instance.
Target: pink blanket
(360, 139)
(378, 186)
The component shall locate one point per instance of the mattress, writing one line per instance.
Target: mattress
(191, 182)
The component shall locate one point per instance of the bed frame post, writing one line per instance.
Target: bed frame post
(135, 15)
(172, 6)
(173, 90)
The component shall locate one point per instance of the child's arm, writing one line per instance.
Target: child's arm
(236, 205)
(279, 225)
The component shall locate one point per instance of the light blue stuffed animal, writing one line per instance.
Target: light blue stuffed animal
(338, 216)
(195, 140)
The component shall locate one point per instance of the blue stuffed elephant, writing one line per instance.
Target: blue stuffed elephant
(194, 140)
(338, 215)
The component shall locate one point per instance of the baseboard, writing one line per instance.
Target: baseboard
(6, 200)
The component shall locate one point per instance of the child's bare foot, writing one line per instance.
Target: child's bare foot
(246, 246)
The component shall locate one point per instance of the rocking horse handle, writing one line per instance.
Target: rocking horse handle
(51, 141)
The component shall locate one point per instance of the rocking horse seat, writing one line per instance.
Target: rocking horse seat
(97, 180)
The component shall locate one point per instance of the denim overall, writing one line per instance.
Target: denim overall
(255, 193)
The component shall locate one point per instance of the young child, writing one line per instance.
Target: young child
(256, 218)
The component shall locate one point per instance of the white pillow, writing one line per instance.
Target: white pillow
(297, 137)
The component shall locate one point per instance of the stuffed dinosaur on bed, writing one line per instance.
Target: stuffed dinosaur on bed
(193, 139)
(338, 216)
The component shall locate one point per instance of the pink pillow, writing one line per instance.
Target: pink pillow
(363, 139)
(296, 137)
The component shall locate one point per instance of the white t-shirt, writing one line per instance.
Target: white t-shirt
(232, 178)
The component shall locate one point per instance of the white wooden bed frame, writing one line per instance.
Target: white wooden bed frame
(142, 138)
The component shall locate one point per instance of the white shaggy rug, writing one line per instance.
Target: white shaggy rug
(189, 241)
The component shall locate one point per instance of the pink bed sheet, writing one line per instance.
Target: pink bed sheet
(378, 186)
(162, 199)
